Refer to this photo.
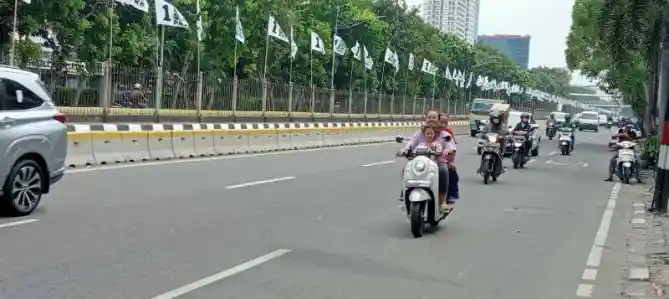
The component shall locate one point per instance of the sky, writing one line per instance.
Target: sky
(547, 21)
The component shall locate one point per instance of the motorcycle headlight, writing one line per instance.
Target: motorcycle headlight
(419, 167)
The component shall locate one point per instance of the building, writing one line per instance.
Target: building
(515, 47)
(457, 17)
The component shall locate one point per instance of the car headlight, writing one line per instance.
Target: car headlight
(419, 167)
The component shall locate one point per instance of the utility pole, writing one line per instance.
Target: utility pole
(661, 195)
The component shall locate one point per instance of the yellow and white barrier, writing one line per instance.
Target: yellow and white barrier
(111, 143)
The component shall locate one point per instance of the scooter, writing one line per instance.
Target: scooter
(565, 141)
(490, 159)
(626, 164)
(519, 155)
(421, 190)
(550, 130)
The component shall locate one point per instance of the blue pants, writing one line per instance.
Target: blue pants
(453, 188)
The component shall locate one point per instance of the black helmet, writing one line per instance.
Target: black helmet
(495, 115)
(524, 116)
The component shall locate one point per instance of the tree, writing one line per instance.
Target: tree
(82, 29)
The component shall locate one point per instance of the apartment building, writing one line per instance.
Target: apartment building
(457, 17)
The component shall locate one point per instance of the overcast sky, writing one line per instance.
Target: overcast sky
(547, 21)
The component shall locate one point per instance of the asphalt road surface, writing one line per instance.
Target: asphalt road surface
(313, 224)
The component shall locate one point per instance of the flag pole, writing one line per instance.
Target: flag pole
(110, 90)
(161, 72)
(392, 94)
(234, 81)
(264, 73)
(434, 89)
(12, 52)
(350, 87)
(406, 88)
(334, 61)
(383, 73)
(311, 80)
(198, 33)
(290, 74)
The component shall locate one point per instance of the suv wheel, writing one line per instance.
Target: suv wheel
(23, 188)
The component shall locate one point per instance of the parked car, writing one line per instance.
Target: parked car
(33, 141)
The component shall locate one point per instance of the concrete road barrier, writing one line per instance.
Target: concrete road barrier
(104, 144)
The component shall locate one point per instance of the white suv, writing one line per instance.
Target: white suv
(33, 141)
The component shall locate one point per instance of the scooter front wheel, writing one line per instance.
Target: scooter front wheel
(416, 218)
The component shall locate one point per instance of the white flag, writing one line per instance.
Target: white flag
(411, 61)
(339, 46)
(317, 44)
(142, 5)
(239, 29)
(26, 1)
(200, 29)
(427, 67)
(391, 58)
(293, 45)
(357, 51)
(369, 63)
(168, 15)
(447, 74)
(471, 78)
(274, 30)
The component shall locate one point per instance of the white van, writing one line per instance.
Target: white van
(589, 121)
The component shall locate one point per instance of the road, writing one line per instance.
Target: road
(314, 224)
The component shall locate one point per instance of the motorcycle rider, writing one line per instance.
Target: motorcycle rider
(569, 123)
(622, 135)
(419, 137)
(524, 125)
(551, 120)
(496, 125)
(453, 193)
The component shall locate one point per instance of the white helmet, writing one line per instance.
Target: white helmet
(138, 86)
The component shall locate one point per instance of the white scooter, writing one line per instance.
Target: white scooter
(565, 140)
(626, 164)
(421, 190)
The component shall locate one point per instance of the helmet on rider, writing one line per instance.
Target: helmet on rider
(524, 117)
(567, 117)
(495, 117)
(552, 116)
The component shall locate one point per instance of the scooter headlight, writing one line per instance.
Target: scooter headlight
(419, 167)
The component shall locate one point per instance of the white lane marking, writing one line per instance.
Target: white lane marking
(552, 153)
(583, 164)
(589, 274)
(17, 223)
(597, 249)
(379, 163)
(531, 161)
(222, 275)
(260, 182)
(208, 159)
(584, 290)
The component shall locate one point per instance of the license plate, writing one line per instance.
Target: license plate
(488, 157)
(627, 164)
(518, 144)
(564, 142)
(626, 152)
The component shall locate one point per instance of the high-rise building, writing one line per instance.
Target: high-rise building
(515, 47)
(458, 17)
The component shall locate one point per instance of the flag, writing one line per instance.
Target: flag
(447, 74)
(200, 30)
(357, 51)
(317, 44)
(168, 15)
(293, 45)
(411, 61)
(471, 78)
(142, 5)
(391, 58)
(427, 67)
(239, 29)
(26, 1)
(274, 29)
(339, 46)
(369, 63)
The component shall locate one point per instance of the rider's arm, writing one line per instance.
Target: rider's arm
(413, 142)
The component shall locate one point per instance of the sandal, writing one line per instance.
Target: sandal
(444, 209)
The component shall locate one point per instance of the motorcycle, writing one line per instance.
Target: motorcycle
(490, 159)
(421, 188)
(609, 124)
(550, 130)
(519, 155)
(626, 164)
(565, 142)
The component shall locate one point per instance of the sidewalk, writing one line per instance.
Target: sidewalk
(646, 274)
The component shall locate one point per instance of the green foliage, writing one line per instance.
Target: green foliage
(83, 28)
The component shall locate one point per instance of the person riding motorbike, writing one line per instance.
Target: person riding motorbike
(569, 123)
(442, 161)
(551, 120)
(524, 125)
(622, 135)
(496, 125)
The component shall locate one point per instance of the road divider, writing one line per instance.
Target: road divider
(107, 144)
